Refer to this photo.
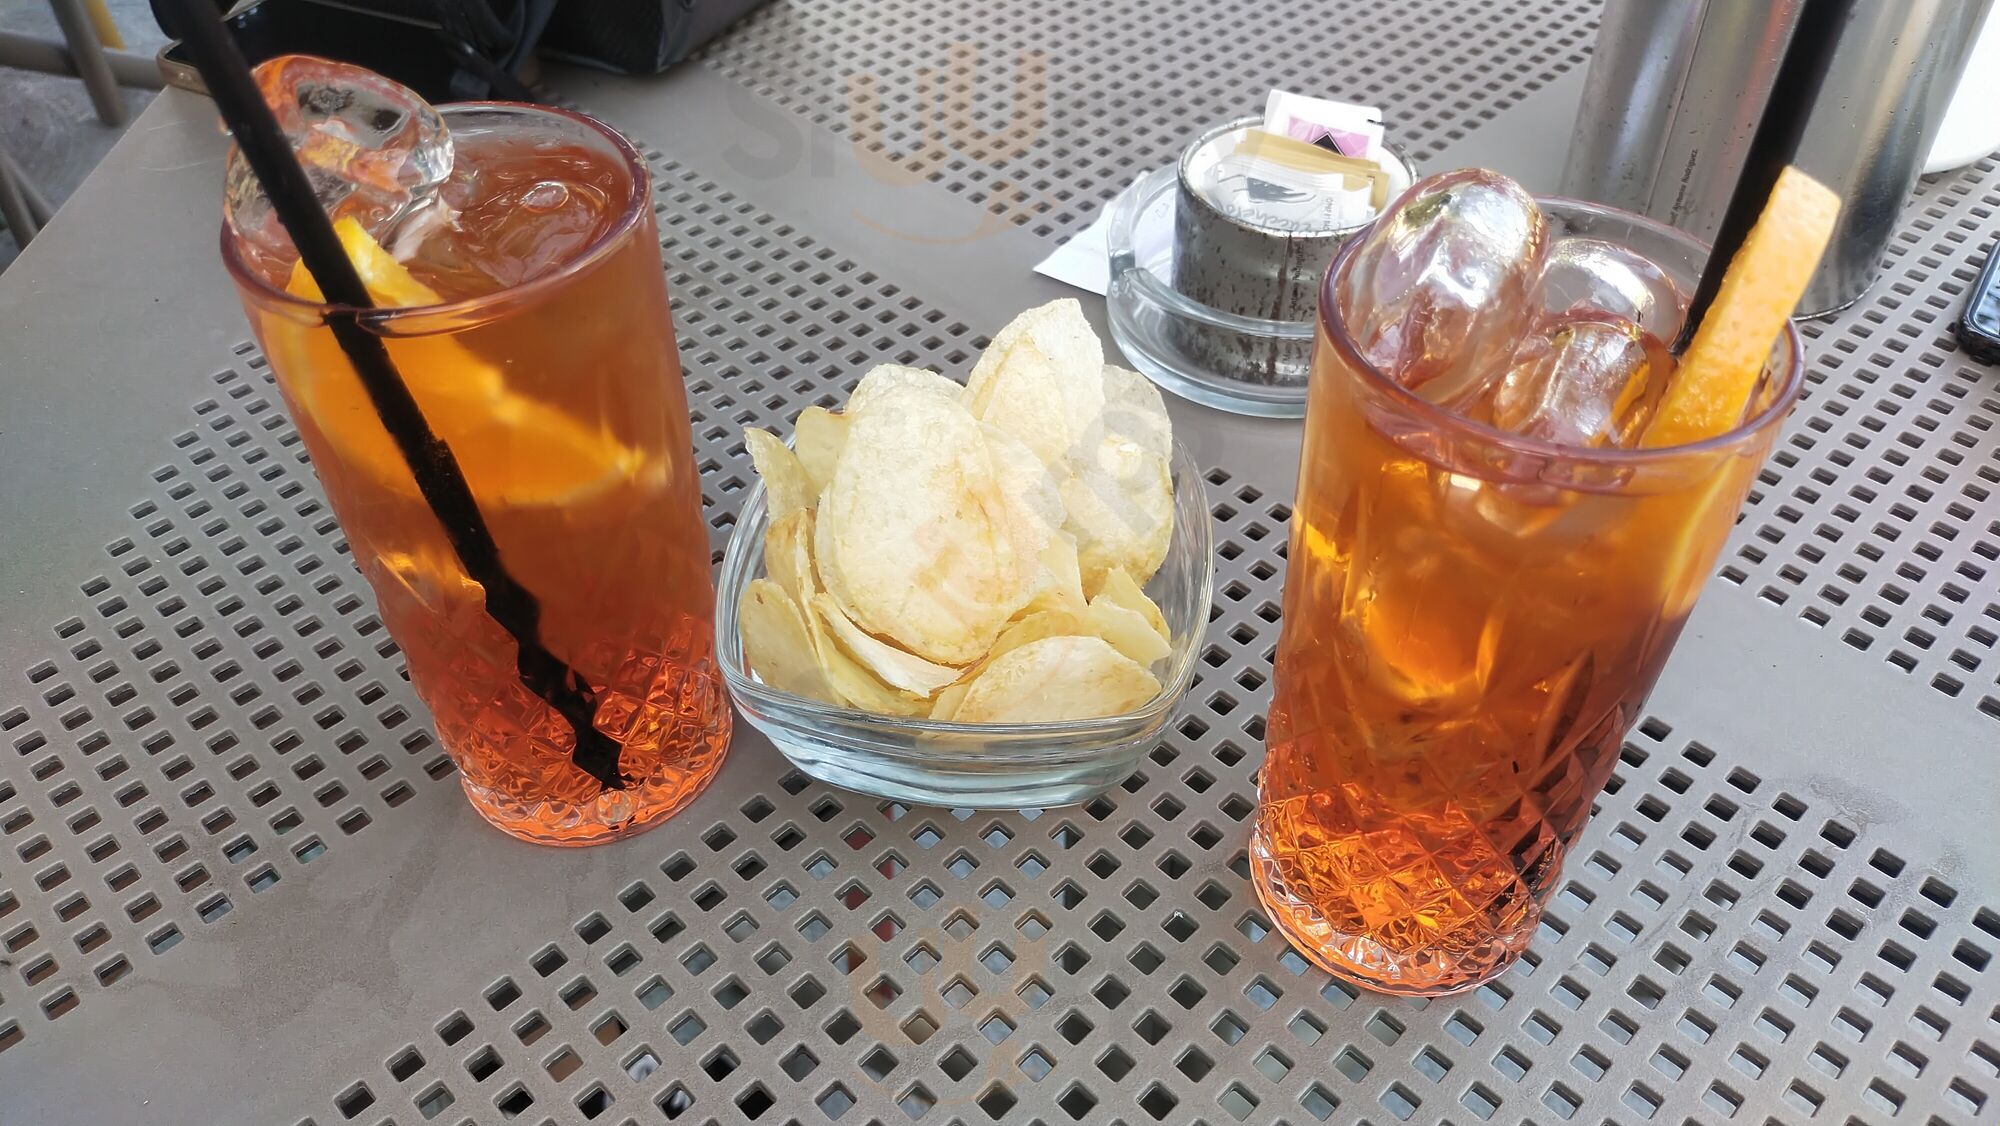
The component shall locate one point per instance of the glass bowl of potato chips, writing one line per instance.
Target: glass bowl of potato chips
(982, 595)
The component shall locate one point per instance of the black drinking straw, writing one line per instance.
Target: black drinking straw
(438, 476)
(1775, 144)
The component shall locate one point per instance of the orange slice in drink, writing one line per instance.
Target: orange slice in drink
(388, 281)
(1711, 391)
(515, 450)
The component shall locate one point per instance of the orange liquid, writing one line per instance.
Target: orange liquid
(565, 408)
(1461, 657)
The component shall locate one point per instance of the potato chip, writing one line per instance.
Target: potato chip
(1034, 500)
(1057, 679)
(1035, 627)
(855, 685)
(777, 644)
(1121, 511)
(946, 705)
(889, 379)
(1134, 409)
(973, 554)
(1126, 629)
(1061, 584)
(1042, 380)
(905, 672)
(912, 537)
(785, 480)
(817, 438)
(1059, 331)
(1119, 588)
(788, 555)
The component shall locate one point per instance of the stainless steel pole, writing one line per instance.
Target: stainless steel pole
(1676, 86)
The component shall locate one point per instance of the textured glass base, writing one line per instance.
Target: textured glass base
(1466, 961)
(615, 814)
(1045, 785)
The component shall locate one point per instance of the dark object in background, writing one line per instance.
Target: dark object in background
(637, 36)
(1979, 329)
(169, 20)
(467, 50)
(445, 50)
(1673, 95)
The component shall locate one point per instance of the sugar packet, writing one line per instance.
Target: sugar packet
(1340, 127)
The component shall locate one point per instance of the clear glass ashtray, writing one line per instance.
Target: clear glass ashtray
(1165, 224)
(1248, 365)
(976, 766)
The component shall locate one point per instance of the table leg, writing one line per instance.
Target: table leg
(14, 205)
(32, 52)
(40, 210)
(91, 65)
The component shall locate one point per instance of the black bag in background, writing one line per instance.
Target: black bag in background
(622, 36)
(446, 50)
(489, 44)
(637, 36)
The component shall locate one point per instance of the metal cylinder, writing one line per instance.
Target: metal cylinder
(1231, 258)
(1675, 89)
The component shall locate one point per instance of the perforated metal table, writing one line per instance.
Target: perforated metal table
(238, 883)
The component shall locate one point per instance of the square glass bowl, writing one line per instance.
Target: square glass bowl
(976, 765)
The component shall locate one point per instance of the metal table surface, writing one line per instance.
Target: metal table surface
(238, 884)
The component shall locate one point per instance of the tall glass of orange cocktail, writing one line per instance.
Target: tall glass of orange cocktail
(1480, 597)
(529, 321)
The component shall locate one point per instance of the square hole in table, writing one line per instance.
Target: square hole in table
(764, 1026)
(878, 1064)
(916, 1101)
(1228, 1027)
(957, 1064)
(996, 1027)
(842, 1027)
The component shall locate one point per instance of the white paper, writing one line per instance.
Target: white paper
(1085, 260)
